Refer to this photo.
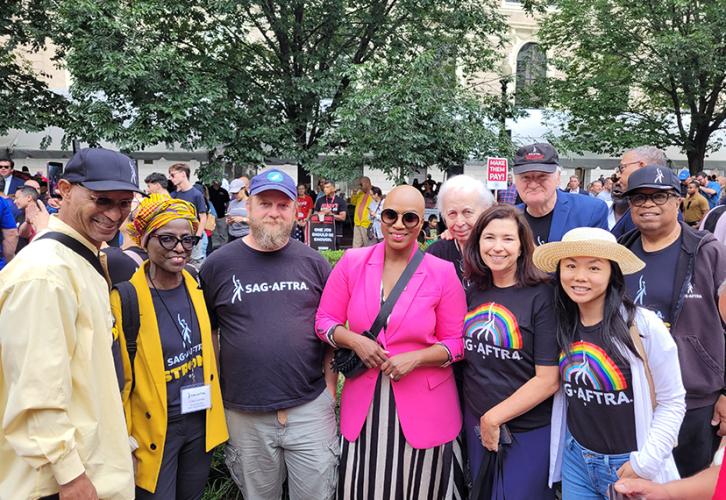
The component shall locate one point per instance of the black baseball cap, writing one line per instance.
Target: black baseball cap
(101, 169)
(541, 157)
(653, 177)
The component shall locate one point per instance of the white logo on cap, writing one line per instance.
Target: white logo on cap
(133, 172)
(658, 175)
(274, 177)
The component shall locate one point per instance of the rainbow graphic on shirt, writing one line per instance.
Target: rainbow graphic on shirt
(589, 364)
(495, 323)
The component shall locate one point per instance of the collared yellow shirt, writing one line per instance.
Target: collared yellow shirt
(60, 407)
(361, 201)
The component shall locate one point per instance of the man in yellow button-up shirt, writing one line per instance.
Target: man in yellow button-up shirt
(63, 428)
(362, 200)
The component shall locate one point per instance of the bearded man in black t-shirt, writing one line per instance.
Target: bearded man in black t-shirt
(262, 292)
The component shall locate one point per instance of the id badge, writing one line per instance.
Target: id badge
(195, 398)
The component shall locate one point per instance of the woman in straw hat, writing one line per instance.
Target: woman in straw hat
(622, 401)
(511, 359)
(172, 398)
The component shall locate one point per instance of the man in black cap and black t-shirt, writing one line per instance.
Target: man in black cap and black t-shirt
(684, 269)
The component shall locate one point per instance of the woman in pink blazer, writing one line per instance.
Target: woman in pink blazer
(400, 419)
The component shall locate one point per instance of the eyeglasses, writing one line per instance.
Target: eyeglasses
(639, 199)
(410, 219)
(169, 242)
(4, 167)
(622, 166)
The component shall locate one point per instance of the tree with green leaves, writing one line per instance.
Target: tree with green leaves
(248, 79)
(398, 124)
(632, 73)
(26, 102)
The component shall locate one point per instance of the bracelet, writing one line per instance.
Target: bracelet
(329, 336)
(449, 357)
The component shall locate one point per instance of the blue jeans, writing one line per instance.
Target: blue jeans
(587, 474)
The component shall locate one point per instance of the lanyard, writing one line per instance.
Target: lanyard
(174, 321)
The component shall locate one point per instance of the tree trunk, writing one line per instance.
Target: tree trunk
(696, 154)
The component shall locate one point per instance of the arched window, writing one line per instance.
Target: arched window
(531, 69)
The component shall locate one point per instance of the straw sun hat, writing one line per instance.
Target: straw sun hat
(586, 242)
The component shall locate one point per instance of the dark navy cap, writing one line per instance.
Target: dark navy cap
(273, 179)
(653, 177)
(100, 169)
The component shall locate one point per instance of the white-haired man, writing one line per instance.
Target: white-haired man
(549, 211)
(461, 199)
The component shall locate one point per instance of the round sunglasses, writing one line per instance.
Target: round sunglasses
(410, 219)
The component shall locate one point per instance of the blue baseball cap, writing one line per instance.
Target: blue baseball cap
(273, 179)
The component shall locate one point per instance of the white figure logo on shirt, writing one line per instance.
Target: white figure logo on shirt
(582, 372)
(641, 291)
(488, 328)
(237, 289)
(186, 331)
(689, 291)
(539, 241)
(658, 176)
(133, 172)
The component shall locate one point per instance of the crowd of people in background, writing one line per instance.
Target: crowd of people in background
(479, 335)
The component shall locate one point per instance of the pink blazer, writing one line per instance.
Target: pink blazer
(430, 310)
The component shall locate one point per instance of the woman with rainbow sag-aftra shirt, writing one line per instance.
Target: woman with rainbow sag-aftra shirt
(622, 401)
(510, 369)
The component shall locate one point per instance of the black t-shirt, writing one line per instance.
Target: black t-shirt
(447, 250)
(540, 227)
(181, 343)
(653, 286)
(599, 391)
(264, 305)
(120, 266)
(219, 198)
(336, 204)
(193, 196)
(507, 331)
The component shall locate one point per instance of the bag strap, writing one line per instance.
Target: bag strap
(635, 335)
(134, 256)
(387, 306)
(131, 318)
(77, 247)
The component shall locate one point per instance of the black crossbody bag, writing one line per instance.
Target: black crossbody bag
(346, 361)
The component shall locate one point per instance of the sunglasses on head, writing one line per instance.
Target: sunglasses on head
(169, 242)
(410, 219)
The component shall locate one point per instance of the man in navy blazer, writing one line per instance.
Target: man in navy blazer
(549, 211)
(12, 183)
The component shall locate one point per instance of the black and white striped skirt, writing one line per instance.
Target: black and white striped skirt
(381, 465)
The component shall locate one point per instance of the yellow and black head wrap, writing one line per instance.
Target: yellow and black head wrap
(156, 211)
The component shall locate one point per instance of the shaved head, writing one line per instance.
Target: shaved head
(406, 199)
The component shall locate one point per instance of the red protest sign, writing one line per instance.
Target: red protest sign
(497, 170)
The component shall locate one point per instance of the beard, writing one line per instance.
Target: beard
(271, 236)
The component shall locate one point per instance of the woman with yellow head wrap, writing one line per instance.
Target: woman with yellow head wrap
(171, 397)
